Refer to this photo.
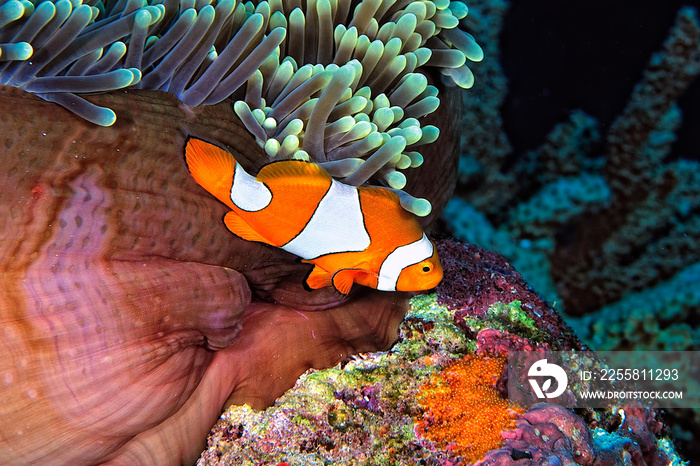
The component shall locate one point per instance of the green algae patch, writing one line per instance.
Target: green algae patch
(508, 318)
(429, 327)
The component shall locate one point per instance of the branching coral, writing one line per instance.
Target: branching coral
(309, 78)
(590, 215)
(652, 225)
(602, 220)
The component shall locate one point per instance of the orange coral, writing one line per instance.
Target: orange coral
(464, 411)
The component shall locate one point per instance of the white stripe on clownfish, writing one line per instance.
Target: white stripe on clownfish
(337, 225)
(399, 259)
(247, 193)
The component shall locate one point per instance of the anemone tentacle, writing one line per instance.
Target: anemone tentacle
(309, 79)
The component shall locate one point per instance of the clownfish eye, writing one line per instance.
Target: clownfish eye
(427, 268)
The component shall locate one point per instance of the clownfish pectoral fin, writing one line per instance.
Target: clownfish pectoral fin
(318, 278)
(343, 279)
(240, 227)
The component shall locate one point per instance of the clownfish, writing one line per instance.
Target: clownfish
(350, 234)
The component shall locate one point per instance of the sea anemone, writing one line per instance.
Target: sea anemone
(122, 295)
(308, 79)
(128, 314)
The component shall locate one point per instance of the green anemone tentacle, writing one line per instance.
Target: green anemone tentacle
(309, 79)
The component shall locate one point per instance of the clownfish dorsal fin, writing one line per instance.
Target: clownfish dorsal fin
(318, 278)
(290, 169)
(210, 166)
(380, 193)
(240, 227)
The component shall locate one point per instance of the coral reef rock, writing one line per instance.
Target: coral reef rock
(368, 410)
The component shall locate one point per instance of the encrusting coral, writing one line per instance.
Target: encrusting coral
(309, 80)
(464, 411)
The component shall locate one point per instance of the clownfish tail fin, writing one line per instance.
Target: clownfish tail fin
(210, 166)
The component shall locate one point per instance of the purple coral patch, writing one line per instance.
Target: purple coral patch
(363, 398)
(552, 435)
(475, 279)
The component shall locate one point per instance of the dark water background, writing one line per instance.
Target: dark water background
(560, 56)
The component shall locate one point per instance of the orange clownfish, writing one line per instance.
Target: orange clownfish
(350, 234)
